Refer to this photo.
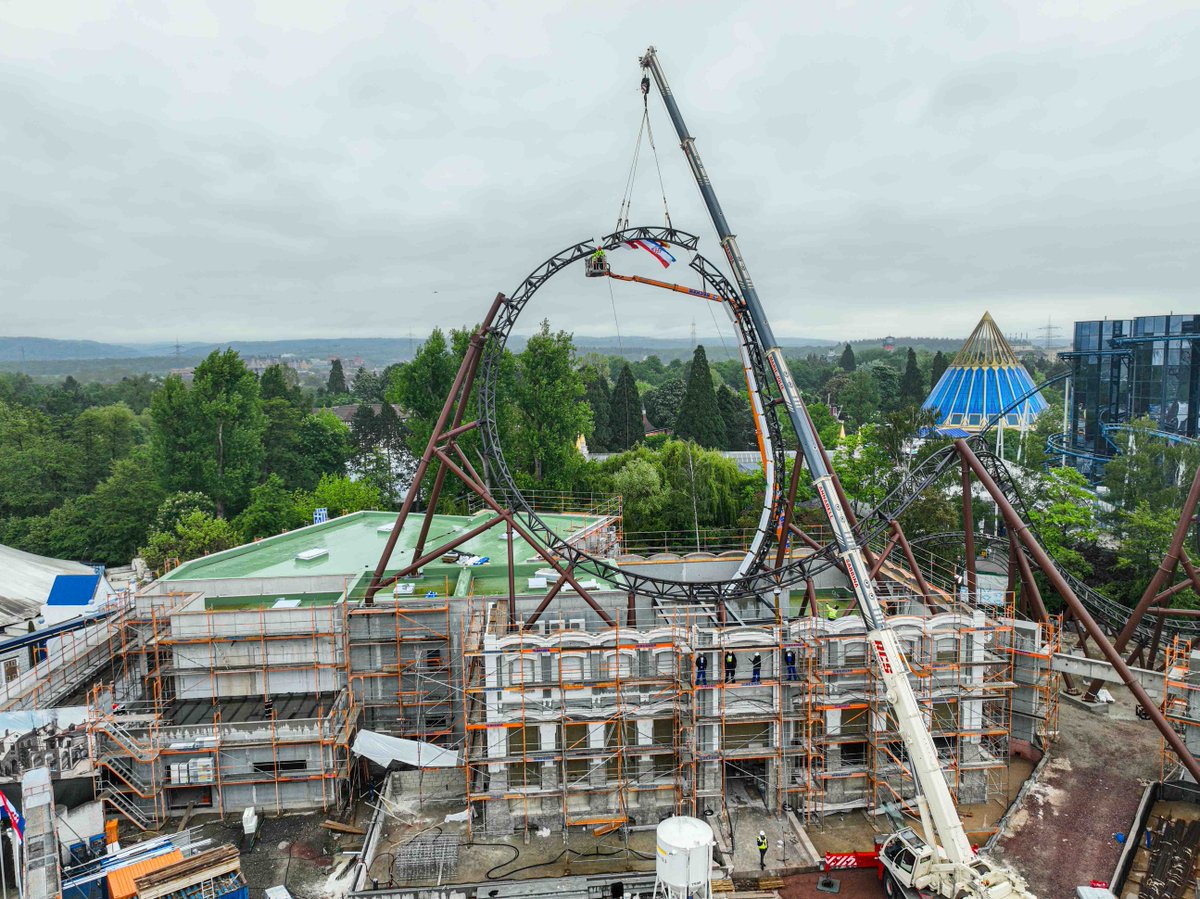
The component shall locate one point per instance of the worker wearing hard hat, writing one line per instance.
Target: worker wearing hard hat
(762, 850)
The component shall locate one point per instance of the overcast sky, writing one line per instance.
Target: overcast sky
(306, 169)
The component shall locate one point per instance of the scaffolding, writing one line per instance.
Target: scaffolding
(1181, 700)
(222, 708)
(397, 652)
(578, 724)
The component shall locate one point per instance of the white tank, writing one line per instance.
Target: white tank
(684, 856)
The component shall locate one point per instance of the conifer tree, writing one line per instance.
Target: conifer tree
(625, 412)
(910, 383)
(940, 364)
(599, 398)
(699, 416)
(847, 361)
(336, 384)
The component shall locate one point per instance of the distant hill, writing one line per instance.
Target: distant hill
(39, 349)
(373, 350)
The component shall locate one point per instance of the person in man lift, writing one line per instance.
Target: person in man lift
(789, 659)
(597, 263)
(756, 668)
(730, 666)
(702, 670)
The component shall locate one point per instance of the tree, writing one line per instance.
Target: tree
(280, 382)
(1063, 512)
(847, 361)
(887, 383)
(364, 432)
(340, 495)
(550, 414)
(598, 398)
(625, 412)
(699, 416)
(740, 433)
(421, 386)
(940, 364)
(911, 392)
(663, 403)
(368, 386)
(198, 534)
(272, 510)
(178, 506)
(640, 487)
(336, 384)
(210, 438)
(860, 398)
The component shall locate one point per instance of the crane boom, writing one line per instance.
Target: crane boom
(953, 866)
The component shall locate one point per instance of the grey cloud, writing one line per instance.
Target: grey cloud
(316, 170)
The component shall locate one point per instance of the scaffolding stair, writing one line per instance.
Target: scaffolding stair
(121, 767)
(125, 806)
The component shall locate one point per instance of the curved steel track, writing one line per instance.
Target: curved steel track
(762, 578)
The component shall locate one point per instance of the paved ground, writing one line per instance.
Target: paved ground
(1061, 835)
(293, 850)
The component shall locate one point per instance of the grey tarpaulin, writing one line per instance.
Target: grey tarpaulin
(384, 750)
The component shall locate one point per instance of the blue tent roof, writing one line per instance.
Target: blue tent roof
(984, 380)
(73, 589)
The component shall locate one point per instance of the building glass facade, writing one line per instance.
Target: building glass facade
(1125, 370)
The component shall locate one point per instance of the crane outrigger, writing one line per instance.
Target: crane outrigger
(940, 861)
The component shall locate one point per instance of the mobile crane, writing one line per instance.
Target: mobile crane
(940, 860)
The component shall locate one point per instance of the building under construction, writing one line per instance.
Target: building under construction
(241, 679)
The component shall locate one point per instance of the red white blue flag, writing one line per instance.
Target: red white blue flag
(18, 822)
(654, 248)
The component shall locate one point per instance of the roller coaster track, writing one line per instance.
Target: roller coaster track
(760, 577)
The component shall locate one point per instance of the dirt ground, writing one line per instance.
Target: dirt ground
(852, 885)
(1062, 835)
(292, 850)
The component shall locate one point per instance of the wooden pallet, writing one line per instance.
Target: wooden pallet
(770, 883)
(722, 886)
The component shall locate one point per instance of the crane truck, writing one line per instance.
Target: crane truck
(938, 861)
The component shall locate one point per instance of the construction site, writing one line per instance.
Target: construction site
(457, 691)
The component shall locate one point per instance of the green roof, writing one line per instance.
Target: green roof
(353, 544)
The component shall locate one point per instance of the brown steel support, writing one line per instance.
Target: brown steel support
(459, 539)
(474, 351)
(968, 528)
(510, 537)
(631, 610)
(546, 600)
(911, 559)
(887, 551)
(1192, 573)
(1010, 589)
(470, 361)
(1037, 608)
(810, 597)
(785, 518)
(1046, 564)
(525, 535)
(1166, 569)
(1174, 613)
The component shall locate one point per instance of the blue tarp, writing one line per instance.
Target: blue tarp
(73, 589)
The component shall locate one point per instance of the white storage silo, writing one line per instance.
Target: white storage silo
(683, 858)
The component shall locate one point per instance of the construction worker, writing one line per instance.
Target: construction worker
(789, 659)
(730, 666)
(597, 264)
(756, 668)
(831, 611)
(762, 850)
(701, 670)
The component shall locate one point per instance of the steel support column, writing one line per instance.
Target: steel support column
(1046, 564)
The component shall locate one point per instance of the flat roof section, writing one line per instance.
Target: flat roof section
(288, 707)
(352, 544)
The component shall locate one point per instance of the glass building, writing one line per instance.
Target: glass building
(1125, 370)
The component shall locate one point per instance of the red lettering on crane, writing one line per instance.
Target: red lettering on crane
(884, 662)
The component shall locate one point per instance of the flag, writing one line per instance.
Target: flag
(18, 822)
(654, 248)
